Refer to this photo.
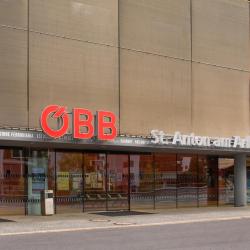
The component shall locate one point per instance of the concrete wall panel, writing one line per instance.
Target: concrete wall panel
(88, 20)
(155, 93)
(13, 77)
(220, 101)
(159, 26)
(14, 13)
(221, 32)
(71, 73)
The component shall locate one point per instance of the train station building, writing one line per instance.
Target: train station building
(124, 104)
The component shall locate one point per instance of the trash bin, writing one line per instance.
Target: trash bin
(47, 202)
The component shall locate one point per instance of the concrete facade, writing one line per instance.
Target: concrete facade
(165, 64)
(171, 65)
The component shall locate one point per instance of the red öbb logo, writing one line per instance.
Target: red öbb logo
(85, 124)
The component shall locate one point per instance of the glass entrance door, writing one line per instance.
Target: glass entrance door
(208, 180)
(165, 180)
(187, 181)
(117, 181)
(248, 180)
(226, 181)
(95, 182)
(37, 179)
(69, 182)
(141, 181)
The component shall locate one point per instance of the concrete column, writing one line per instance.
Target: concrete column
(240, 180)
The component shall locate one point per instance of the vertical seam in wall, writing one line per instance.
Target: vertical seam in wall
(28, 61)
(248, 103)
(191, 66)
(119, 70)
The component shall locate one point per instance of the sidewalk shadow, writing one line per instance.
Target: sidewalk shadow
(5, 220)
(121, 213)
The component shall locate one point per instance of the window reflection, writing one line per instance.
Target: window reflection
(165, 180)
(141, 181)
(69, 182)
(95, 181)
(187, 180)
(208, 180)
(248, 180)
(117, 181)
(12, 182)
(226, 181)
(37, 164)
(100, 181)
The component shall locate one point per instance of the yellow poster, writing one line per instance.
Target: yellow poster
(63, 181)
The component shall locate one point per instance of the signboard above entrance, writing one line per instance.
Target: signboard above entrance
(85, 124)
(161, 138)
(153, 143)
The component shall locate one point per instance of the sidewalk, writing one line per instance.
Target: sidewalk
(11, 225)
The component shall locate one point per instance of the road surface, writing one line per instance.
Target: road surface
(229, 234)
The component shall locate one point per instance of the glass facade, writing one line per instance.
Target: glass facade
(118, 181)
(207, 181)
(142, 181)
(37, 179)
(248, 179)
(226, 181)
(187, 181)
(12, 182)
(165, 180)
(95, 181)
(69, 182)
(91, 181)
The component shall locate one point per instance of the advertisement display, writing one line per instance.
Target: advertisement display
(63, 181)
(76, 183)
(38, 179)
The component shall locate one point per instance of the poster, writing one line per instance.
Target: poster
(63, 181)
(185, 164)
(38, 179)
(93, 180)
(77, 183)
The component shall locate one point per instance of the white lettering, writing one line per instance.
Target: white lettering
(159, 137)
(155, 135)
(237, 141)
(177, 138)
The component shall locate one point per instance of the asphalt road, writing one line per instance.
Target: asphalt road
(234, 234)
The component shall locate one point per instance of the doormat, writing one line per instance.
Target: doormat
(5, 220)
(121, 213)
